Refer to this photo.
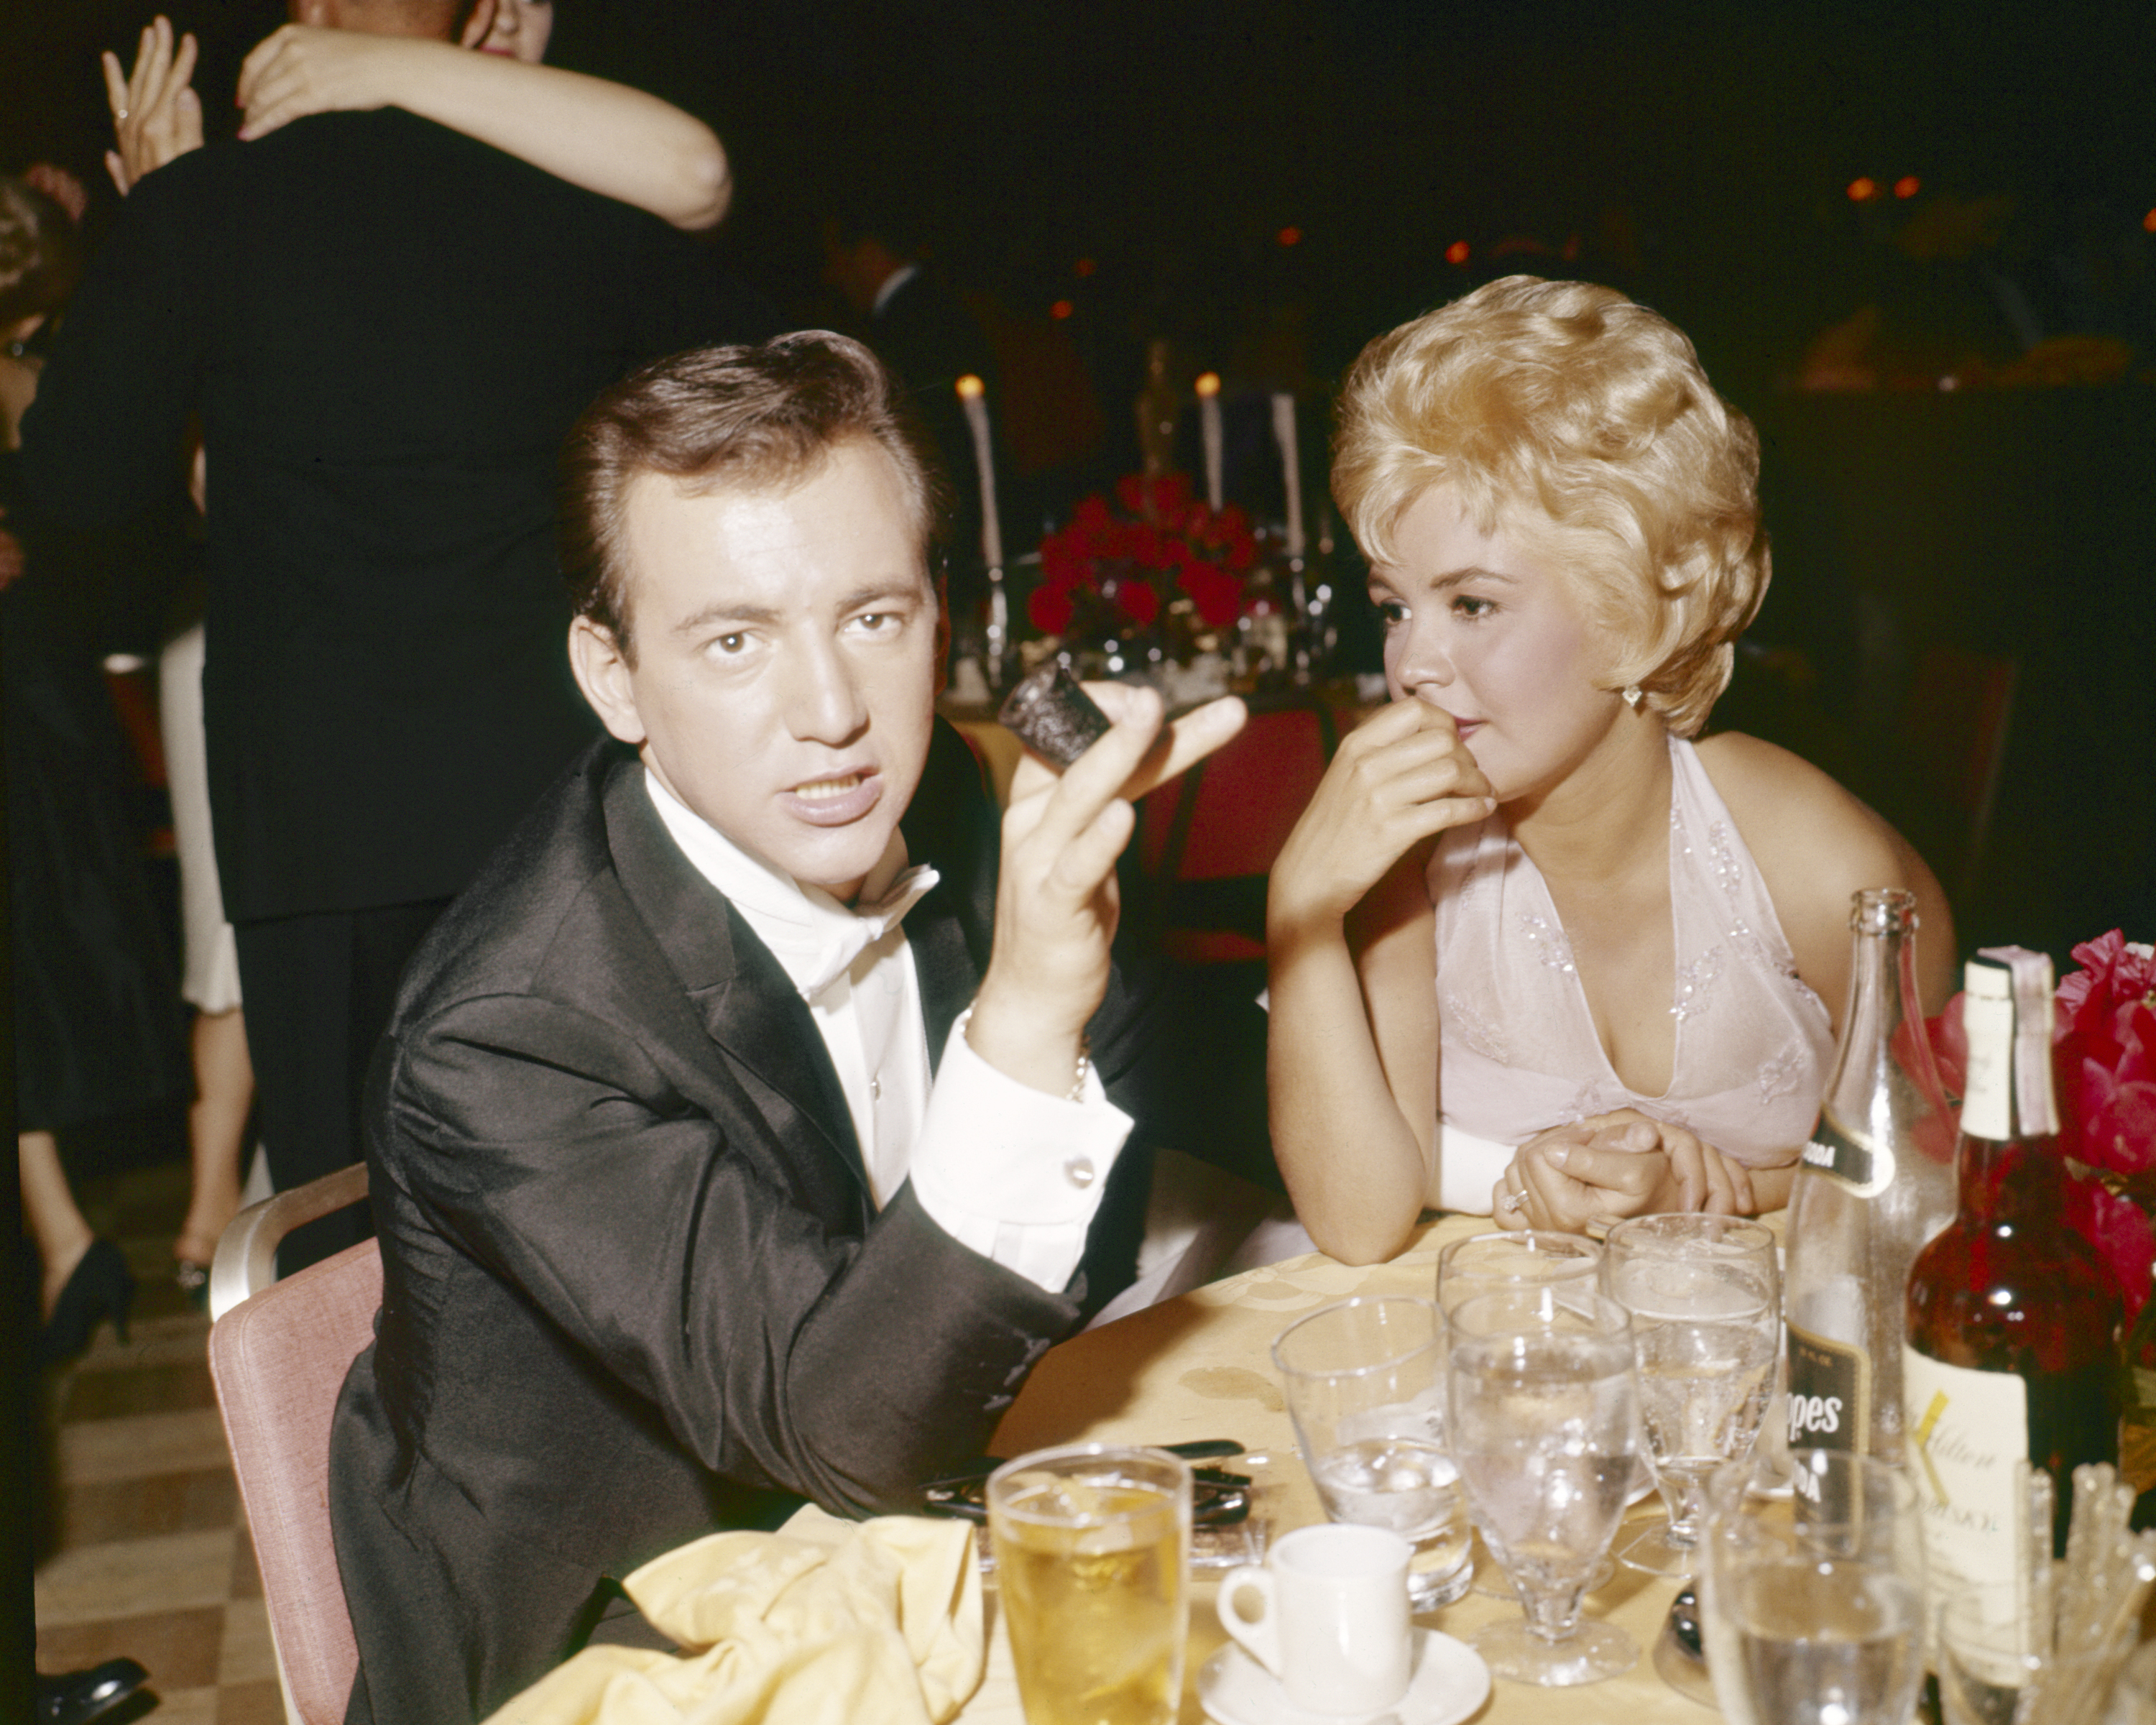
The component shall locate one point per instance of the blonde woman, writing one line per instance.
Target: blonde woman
(1533, 949)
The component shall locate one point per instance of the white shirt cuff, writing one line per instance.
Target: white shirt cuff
(1468, 1168)
(1010, 1171)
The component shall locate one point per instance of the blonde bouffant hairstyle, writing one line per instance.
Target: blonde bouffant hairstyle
(1584, 424)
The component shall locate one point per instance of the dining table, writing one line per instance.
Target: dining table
(1200, 1366)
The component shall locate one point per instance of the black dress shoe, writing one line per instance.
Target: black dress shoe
(76, 1697)
(101, 1287)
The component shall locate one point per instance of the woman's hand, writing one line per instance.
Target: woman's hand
(1613, 1165)
(1402, 778)
(156, 114)
(300, 69)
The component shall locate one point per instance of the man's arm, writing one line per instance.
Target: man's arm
(103, 439)
(686, 1251)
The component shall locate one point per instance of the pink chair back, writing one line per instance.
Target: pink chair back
(1223, 823)
(278, 1360)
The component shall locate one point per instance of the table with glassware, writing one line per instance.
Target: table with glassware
(1200, 1366)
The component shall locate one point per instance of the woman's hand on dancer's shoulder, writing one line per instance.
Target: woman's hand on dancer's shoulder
(1400, 778)
(1610, 1166)
(156, 114)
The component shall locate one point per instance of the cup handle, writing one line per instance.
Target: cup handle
(1262, 1638)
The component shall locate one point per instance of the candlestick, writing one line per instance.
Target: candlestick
(1208, 425)
(1291, 467)
(973, 394)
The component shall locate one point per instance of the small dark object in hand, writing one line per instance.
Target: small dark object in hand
(1053, 716)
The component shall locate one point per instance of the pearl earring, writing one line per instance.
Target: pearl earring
(1634, 694)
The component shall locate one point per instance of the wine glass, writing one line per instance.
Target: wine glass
(1812, 1604)
(1365, 1382)
(1545, 1429)
(1496, 1263)
(1706, 1306)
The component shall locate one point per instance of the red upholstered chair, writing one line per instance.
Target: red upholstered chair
(279, 1358)
(1209, 839)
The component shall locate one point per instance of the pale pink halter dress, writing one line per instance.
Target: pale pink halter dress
(1518, 1049)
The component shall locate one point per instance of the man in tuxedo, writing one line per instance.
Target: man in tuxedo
(744, 1134)
(385, 329)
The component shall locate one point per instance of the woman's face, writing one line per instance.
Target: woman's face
(1479, 628)
(520, 30)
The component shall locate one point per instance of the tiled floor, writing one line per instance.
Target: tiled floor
(151, 1557)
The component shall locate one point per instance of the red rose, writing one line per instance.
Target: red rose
(1139, 601)
(1171, 496)
(2119, 1230)
(1062, 564)
(1218, 597)
(1131, 493)
(1051, 608)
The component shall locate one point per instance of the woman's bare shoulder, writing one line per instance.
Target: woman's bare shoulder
(1816, 844)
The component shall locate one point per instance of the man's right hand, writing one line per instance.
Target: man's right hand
(1056, 904)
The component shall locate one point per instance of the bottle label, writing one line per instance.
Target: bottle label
(1830, 1394)
(1853, 1159)
(1965, 1431)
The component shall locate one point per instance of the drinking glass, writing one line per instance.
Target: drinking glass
(1365, 1381)
(1812, 1604)
(1495, 1263)
(1093, 1558)
(1707, 1325)
(1545, 1423)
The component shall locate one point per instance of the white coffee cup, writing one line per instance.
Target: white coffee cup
(1334, 1629)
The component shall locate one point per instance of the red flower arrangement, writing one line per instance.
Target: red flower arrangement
(1101, 572)
(2103, 1067)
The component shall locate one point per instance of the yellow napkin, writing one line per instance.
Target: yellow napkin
(874, 1623)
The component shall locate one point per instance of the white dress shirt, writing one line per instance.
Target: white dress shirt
(1011, 1172)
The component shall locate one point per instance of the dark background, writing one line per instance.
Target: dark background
(1696, 156)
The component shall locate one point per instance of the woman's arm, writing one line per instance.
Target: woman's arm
(607, 138)
(1352, 1042)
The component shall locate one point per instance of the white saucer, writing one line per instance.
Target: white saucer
(1450, 1682)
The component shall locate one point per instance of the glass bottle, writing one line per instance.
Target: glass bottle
(1875, 1183)
(2013, 1322)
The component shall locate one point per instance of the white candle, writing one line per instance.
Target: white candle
(1208, 425)
(974, 395)
(1291, 468)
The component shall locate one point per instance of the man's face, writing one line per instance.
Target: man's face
(785, 677)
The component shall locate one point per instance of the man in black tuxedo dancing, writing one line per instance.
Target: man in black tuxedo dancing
(385, 328)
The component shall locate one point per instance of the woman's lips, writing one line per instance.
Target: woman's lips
(837, 801)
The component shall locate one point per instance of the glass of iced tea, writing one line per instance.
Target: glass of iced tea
(1092, 1561)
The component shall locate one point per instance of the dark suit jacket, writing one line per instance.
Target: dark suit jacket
(634, 1285)
(388, 329)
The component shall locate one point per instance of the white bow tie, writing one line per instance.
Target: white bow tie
(843, 939)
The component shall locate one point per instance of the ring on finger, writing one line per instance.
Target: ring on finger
(1513, 1203)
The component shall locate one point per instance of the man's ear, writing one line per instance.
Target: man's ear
(603, 675)
(478, 25)
(323, 14)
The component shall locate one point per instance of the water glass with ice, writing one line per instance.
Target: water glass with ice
(1812, 1603)
(1365, 1382)
(1705, 1297)
(1545, 1428)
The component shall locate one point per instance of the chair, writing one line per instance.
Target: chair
(277, 1354)
(1209, 839)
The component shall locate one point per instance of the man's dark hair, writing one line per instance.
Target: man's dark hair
(748, 419)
